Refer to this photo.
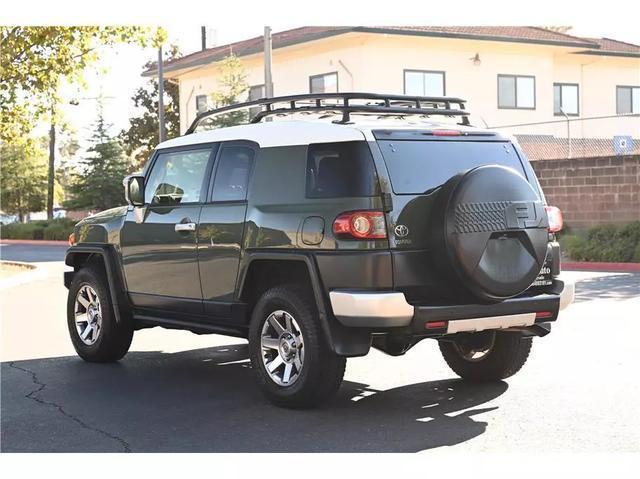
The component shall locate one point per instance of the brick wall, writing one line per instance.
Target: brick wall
(592, 191)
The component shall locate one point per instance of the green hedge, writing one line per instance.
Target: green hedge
(58, 229)
(609, 243)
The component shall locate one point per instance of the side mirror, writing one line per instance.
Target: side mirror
(134, 190)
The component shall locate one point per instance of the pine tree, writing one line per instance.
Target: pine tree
(99, 184)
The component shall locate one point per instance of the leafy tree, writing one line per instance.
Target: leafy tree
(23, 177)
(99, 185)
(233, 86)
(34, 60)
(142, 136)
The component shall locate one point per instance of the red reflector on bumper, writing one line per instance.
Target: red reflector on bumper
(435, 325)
(543, 314)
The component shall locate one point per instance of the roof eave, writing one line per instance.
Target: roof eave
(469, 36)
(219, 56)
(606, 53)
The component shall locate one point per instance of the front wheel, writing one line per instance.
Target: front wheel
(486, 356)
(95, 333)
(289, 352)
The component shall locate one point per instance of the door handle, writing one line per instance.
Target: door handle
(184, 227)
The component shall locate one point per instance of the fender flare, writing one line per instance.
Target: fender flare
(343, 341)
(115, 278)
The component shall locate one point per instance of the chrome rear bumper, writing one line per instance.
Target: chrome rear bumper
(391, 309)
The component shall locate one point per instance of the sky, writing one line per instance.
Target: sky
(118, 73)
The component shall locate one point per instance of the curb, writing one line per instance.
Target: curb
(33, 273)
(35, 242)
(595, 266)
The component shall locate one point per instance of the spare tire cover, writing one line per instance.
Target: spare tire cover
(489, 232)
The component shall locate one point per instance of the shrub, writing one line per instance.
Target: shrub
(57, 232)
(57, 229)
(608, 243)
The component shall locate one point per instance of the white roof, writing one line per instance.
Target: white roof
(304, 132)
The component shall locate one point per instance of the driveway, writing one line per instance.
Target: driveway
(176, 391)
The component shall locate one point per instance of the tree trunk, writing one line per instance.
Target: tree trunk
(52, 159)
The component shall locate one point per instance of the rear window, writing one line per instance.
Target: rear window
(418, 167)
(342, 169)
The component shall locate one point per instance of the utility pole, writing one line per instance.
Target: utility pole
(162, 134)
(268, 82)
(52, 162)
(203, 36)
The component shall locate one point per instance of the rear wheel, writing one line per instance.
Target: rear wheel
(486, 356)
(289, 352)
(94, 331)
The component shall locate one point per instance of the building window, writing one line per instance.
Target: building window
(424, 83)
(325, 83)
(202, 103)
(627, 99)
(565, 99)
(517, 91)
(256, 92)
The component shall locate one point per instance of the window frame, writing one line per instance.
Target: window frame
(312, 77)
(413, 70)
(630, 87)
(212, 177)
(515, 84)
(561, 84)
(177, 149)
(206, 97)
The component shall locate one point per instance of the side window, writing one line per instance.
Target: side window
(176, 177)
(342, 169)
(232, 173)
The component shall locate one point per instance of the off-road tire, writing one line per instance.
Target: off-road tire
(508, 354)
(115, 337)
(322, 370)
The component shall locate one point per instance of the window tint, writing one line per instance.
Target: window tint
(627, 99)
(340, 170)
(325, 83)
(177, 177)
(232, 173)
(423, 83)
(516, 91)
(417, 167)
(565, 96)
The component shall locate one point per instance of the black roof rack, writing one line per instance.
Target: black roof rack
(345, 103)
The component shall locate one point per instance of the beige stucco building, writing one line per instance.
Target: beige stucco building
(508, 75)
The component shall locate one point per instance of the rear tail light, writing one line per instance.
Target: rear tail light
(544, 314)
(555, 218)
(435, 325)
(360, 225)
(72, 239)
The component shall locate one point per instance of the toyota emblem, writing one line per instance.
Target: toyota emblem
(401, 231)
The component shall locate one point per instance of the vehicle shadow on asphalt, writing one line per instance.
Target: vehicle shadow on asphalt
(207, 400)
(615, 286)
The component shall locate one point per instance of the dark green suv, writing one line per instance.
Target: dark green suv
(353, 220)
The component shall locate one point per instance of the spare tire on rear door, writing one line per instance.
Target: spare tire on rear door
(489, 233)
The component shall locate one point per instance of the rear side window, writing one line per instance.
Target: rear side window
(232, 174)
(418, 167)
(342, 169)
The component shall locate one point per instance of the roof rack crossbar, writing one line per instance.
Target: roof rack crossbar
(396, 105)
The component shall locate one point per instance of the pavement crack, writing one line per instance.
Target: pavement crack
(34, 396)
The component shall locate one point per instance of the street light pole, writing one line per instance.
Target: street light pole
(162, 135)
(268, 82)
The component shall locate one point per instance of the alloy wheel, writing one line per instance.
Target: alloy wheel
(282, 348)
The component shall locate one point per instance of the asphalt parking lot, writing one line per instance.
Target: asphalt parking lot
(178, 392)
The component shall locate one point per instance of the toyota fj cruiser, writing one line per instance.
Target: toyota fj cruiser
(354, 221)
